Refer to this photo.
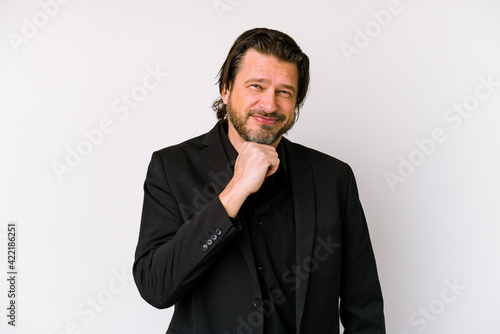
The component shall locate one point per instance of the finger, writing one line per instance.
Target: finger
(273, 167)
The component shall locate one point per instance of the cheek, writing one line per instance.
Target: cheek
(288, 107)
(247, 102)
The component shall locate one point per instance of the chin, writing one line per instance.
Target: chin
(260, 137)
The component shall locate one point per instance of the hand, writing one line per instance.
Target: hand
(254, 164)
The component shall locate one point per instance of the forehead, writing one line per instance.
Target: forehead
(260, 66)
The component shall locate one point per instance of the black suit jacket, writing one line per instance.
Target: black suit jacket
(191, 254)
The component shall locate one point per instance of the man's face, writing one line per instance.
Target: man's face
(261, 102)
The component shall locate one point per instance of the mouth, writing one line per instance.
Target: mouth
(265, 120)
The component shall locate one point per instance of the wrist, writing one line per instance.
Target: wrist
(232, 198)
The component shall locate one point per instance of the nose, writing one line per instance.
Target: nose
(268, 101)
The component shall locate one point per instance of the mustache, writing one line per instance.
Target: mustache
(253, 112)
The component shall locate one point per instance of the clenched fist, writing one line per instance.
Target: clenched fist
(254, 164)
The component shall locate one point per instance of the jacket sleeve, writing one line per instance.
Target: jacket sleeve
(172, 254)
(361, 304)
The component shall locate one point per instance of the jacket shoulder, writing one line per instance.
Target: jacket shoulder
(315, 157)
(187, 145)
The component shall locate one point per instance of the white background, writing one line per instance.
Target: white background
(439, 226)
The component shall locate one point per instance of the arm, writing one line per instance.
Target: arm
(170, 255)
(361, 305)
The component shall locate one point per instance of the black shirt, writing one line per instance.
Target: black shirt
(271, 225)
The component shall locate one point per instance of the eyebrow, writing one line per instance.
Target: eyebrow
(266, 81)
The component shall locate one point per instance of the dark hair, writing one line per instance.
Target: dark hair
(270, 43)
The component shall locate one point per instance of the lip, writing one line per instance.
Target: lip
(265, 120)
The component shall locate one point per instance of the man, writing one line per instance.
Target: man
(246, 232)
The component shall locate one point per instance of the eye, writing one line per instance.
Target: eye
(285, 92)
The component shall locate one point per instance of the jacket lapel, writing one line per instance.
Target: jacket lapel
(305, 219)
(219, 173)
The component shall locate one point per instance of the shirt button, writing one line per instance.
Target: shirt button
(259, 222)
(257, 302)
(259, 267)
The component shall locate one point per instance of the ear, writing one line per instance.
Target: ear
(225, 94)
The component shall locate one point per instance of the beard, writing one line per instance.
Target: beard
(266, 134)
